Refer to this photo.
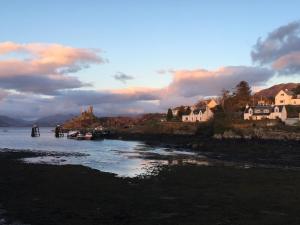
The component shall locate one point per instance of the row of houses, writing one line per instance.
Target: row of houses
(286, 108)
(261, 112)
(197, 113)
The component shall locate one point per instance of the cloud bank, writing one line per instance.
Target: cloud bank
(43, 68)
(189, 83)
(280, 49)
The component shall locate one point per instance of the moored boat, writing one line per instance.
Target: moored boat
(88, 136)
(80, 136)
(72, 134)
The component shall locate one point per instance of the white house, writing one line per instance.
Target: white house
(260, 112)
(198, 115)
(211, 103)
(285, 97)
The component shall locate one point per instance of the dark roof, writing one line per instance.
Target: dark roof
(202, 109)
(262, 108)
(289, 92)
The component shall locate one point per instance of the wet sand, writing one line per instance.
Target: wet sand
(41, 194)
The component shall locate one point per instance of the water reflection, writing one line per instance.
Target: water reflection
(124, 158)
(136, 160)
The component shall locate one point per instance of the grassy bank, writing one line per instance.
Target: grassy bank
(47, 194)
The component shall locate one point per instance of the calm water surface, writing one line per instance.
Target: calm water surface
(125, 158)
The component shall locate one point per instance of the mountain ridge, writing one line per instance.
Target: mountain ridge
(6, 121)
(273, 90)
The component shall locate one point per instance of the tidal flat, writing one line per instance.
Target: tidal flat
(42, 194)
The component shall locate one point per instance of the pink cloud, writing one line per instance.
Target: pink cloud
(189, 83)
(289, 62)
(51, 62)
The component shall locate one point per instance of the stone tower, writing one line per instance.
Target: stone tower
(91, 109)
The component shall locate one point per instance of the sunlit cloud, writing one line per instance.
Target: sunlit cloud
(45, 68)
(280, 49)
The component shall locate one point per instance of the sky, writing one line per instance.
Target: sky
(129, 57)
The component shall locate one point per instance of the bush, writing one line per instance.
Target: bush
(205, 129)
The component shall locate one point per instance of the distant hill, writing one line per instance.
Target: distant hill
(272, 91)
(6, 121)
(53, 120)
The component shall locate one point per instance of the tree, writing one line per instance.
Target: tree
(201, 102)
(169, 115)
(188, 110)
(242, 95)
(296, 90)
(181, 111)
(225, 95)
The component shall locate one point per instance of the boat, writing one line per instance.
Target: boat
(73, 134)
(80, 136)
(88, 136)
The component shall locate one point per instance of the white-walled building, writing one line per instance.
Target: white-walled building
(261, 112)
(198, 115)
(211, 103)
(285, 97)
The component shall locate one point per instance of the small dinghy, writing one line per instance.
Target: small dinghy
(72, 134)
(88, 136)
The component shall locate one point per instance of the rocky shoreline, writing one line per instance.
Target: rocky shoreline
(182, 194)
(284, 153)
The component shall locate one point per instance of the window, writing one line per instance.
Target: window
(257, 111)
(282, 94)
(281, 101)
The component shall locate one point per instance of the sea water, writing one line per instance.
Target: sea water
(124, 158)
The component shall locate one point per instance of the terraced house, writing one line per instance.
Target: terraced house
(198, 115)
(260, 112)
(286, 108)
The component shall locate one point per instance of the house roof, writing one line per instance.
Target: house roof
(261, 109)
(289, 92)
(197, 111)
